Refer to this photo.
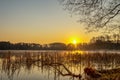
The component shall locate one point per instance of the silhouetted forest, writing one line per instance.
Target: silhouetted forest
(111, 42)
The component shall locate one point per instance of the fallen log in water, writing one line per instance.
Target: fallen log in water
(69, 73)
(92, 74)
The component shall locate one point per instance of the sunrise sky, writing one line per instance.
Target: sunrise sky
(39, 21)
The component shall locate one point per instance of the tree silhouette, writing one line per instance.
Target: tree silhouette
(96, 14)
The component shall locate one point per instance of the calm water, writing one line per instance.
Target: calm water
(53, 65)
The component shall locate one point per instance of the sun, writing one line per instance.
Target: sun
(74, 41)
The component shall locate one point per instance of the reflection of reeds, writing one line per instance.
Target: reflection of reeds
(57, 67)
(12, 62)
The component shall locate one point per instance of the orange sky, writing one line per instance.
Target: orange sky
(42, 21)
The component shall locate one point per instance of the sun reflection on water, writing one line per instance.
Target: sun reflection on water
(39, 65)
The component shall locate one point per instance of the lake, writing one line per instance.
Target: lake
(53, 65)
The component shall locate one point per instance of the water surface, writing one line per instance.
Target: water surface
(53, 65)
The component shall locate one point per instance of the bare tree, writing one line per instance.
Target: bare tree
(96, 14)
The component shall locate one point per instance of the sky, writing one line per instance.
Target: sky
(39, 21)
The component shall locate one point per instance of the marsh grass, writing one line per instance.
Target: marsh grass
(12, 63)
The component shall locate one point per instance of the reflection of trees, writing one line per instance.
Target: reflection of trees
(64, 63)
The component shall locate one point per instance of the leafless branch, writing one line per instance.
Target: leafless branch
(95, 13)
(69, 73)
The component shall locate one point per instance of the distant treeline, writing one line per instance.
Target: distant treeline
(96, 43)
(31, 46)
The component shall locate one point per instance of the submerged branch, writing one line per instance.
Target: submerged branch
(69, 73)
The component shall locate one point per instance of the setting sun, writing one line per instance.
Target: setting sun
(74, 41)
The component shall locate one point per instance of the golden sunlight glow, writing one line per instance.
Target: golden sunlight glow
(74, 41)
